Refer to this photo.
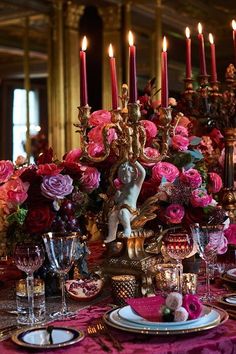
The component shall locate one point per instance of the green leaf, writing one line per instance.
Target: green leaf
(17, 217)
(195, 141)
(196, 154)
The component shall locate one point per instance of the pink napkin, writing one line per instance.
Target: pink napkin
(147, 307)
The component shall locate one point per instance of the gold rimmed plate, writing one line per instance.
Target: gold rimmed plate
(225, 278)
(40, 338)
(228, 299)
(219, 316)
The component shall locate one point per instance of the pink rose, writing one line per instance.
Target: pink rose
(49, 169)
(174, 213)
(191, 177)
(95, 134)
(193, 306)
(6, 170)
(90, 178)
(73, 155)
(172, 102)
(151, 153)
(180, 130)
(166, 170)
(180, 142)
(215, 182)
(150, 128)
(20, 160)
(16, 191)
(200, 198)
(100, 117)
(95, 149)
(230, 234)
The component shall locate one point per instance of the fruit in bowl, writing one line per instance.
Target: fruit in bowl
(84, 289)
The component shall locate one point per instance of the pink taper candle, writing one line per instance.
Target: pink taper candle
(114, 88)
(188, 54)
(234, 38)
(213, 59)
(83, 74)
(201, 51)
(164, 76)
(132, 70)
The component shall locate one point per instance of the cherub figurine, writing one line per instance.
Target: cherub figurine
(125, 199)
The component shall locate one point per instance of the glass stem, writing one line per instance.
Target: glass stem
(180, 275)
(30, 294)
(208, 291)
(63, 295)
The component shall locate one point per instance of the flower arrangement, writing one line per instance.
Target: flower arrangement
(50, 195)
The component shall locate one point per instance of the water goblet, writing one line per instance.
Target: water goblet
(61, 250)
(178, 245)
(207, 239)
(29, 257)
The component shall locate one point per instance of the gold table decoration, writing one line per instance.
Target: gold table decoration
(189, 285)
(123, 287)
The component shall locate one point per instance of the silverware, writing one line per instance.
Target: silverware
(94, 333)
(102, 328)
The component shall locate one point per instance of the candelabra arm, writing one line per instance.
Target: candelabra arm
(83, 117)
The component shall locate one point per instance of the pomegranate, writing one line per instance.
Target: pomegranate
(84, 289)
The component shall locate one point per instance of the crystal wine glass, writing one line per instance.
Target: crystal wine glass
(178, 245)
(61, 250)
(208, 239)
(29, 257)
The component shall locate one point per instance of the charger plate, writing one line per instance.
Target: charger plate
(38, 337)
(126, 313)
(218, 317)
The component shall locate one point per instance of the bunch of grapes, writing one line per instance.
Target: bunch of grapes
(66, 219)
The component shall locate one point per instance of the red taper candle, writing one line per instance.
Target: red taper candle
(132, 70)
(188, 54)
(114, 88)
(164, 75)
(234, 38)
(83, 74)
(213, 59)
(201, 51)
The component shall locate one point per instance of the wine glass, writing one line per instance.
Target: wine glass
(29, 257)
(178, 245)
(61, 250)
(207, 238)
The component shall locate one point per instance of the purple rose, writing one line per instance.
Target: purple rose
(57, 187)
(200, 198)
(90, 178)
(174, 213)
(191, 177)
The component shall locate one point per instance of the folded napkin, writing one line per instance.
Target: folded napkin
(147, 307)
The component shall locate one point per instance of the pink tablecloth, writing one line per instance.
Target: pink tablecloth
(219, 340)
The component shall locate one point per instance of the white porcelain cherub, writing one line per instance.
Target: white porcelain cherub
(125, 199)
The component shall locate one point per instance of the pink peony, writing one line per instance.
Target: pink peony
(200, 198)
(166, 170)
(16, 191)
(174, 213)
(49, 169)
(6, 170)
(150, 128)
(73, 155)
(95, 134)
(230, 234)
(151, 153)
(90, 178)
(100, 117)
(180, 130)
(193, 306)
(215, 183)
(174, 300)
(180, 142)
(191, 177)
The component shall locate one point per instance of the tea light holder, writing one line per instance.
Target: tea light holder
(123, 287)
(167, 277)
(189, 284)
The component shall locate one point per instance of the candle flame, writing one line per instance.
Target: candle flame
(211, 38)
(131, 38)
(84, 43)
(199, 26)
(164, 44)
(234, 25)
(110, 51)
(187, 32)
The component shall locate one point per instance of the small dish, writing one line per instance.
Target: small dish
(40, 338)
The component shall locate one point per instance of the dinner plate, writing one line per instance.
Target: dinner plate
(217, 317)
(228, 299)
(126, 313)
(38, 337)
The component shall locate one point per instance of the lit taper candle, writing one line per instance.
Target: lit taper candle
(132, 70)
(202, 58)
(83, 74)
(164, 75)
(213, 59)
(188, 54)
(114, 88)
(234, 38)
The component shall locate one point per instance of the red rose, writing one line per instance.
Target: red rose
(39, 219)
(49, 169)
